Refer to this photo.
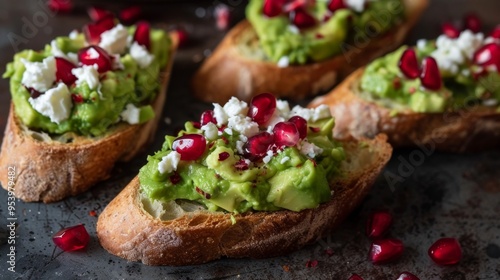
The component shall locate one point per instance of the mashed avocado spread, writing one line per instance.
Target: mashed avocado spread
(235, 160)
(89, 80)
(299, 32)
(465, 75)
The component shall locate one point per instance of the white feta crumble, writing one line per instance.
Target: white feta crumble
(268, 157)
(57, 52)
(243, 124)
(210, 131)
(114, 41)
(294, 29)
(131, 114)
(39, 75)
(356, 5)
(283, 62)
(228, 131)
(73, 34)
(275, 118)
(87, 74)
(141, 55)
(239, 146)
(169, 162)
(421, 44)
(220, 115)
(235, 107)
(117, 63)
(283, 107)
(284, 159)
(313, 114)
(55, 103)
(309, 149)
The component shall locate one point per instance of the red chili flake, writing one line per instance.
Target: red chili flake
(223, 156)
(312, 263)
(175, 178)
(396, 83)
(412, 90)
(224, 139)
(241, 165)
(314, 162)
(196, 125)
(329, 252)
(77, 98)
(92, 213)
(286, 268)
(319, 36)
(210, 145)
(314, 129)
(200, 191)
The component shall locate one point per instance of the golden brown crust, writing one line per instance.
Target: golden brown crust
(49, 171)
(126, 230)
(227, 72)
(471, 129)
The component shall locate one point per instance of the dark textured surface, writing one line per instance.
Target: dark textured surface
(435, 195)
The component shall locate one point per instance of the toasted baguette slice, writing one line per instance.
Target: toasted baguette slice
(231, 70)
(185, 236)
(49, 169)
(471, 129)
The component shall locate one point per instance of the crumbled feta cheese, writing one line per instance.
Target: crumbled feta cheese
(275, 118)
(321, 112)
(239, 146)
(356, 5)
(283, 107)
(314, 114)
(235, 107)
(131, 114)
(114, 41)
(469, 42)
(57, 52)
(268, 157)
(55, 103)
(141, 55)
(283, 62)
(169, 162)
(284, 159)
(87, 74)
(220, 115)
(421, 44)
(294, 29)
(73, 34)
(228, 131)
(243, 124)
(210, 130)
(39, 75)
(117, 63)
(309, 149)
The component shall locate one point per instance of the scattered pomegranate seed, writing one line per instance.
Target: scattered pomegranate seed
(355, 277)
(273, 8)
(302, 19)
(407, 276)
(190, 146)
(222, 16)
(203, 193)
(408, 64)
(60, 6)
(207, 117)
(182, 36)
(63, 71)
(301, 125)
(92, 213)
(431, 77)
(72, 238)
(312, 263)
(97, 13)
(450, 30)
(488, 55)
(77, 98)
(496, 32)
(329, 252)
(315, 129)
(446, 251)
(141, 35)
(262, 108)
(241, 165)
(33, 92)
(95, 55)
(386, 250)
(223, 156)
(257, 146)
(286, 134)
(335, 5)
(131, 14)
(175, 178)
(196, 125)
(473, 23)
(93, 31)
(378, 224)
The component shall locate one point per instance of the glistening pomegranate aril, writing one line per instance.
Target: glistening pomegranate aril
(431, 77)
(488, 55)
(141, 35)
(273, 8)
(190, 146)
(72, 238)
(386, 250)
(407, 276)
(95, 55)
(207, 117)
(473, 23)
(495, 33)
(93, 31)
(336, 5)
(302, 19)
(378, 224)
(60, 6)
(286, 134)
(257, 146)
(301, 125)
(450, 30)
(131, 14)
(408, 64)
(223, 156)
(262, 108)
(63, 71)
(355, 277)
(97, 13)
(446, 251)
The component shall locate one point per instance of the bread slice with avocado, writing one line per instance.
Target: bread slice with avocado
(244, 65)
(241, 191)
(451, 107)
(56, 158)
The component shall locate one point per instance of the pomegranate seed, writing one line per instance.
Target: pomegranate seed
(33, 92)
(355, 277)
(431, 77)
(407, 276)
(72, 238)
(273, 8)
(196, 125)
(315, 129)
(141, 35)
(473, 23)
(286, 134)
(241, 165)
(409, 64)
(378, 224)
(302, 19)
(488, 55)
(190, 146)
(396, 83)
(257, 146)
(93, 31)
(95, 55)
(63, 71)
(97, 13)
(131, 14)
(222, 16)
(450, 30)
(77, 98)
(207, 117)
(496, 32)
(312, 263)
(223, 156)
(335, 5)
(300, 124)
(262, 108)
(182, 37)
(60, 6)
(329, 252)
(386, 250)
(446, 251)
(175, 178)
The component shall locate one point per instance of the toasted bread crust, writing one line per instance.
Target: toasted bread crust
(471, 129)
(49, 171)
(125, 229)
(227, 72)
